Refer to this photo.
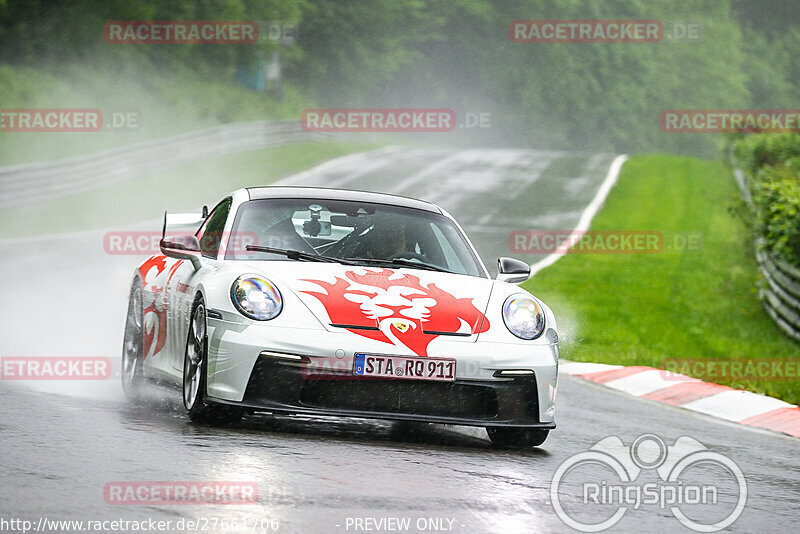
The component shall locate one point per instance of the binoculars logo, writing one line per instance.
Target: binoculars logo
(671, 491)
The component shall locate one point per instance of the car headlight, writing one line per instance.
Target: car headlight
(523, 316)
(256, 297)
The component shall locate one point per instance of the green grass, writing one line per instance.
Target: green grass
(184, 188)
(646, 309)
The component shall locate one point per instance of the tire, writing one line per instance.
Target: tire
(131, 369)
(195, 374)
(511, 437)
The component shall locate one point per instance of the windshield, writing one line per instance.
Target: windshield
(364, 233)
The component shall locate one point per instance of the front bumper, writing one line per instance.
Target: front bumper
(322, 383)
(288, 387)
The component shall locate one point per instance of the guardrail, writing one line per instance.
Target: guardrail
(33, 182)
(781, 293)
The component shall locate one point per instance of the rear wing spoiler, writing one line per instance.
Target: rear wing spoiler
(176, 224)
(178, 236)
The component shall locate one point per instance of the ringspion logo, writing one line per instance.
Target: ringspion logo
(617, 480)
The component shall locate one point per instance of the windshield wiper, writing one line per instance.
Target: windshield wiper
(305, 256)
(297, 255)
(402, 263)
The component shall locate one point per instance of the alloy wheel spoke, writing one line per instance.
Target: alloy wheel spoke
(137, 308)
(191, 371)
(193, 366)
(199, 326)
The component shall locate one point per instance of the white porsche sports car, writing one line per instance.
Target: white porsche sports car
(343, 303)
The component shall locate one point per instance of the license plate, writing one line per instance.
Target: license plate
(403, 367)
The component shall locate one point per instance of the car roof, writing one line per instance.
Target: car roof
(328, 193)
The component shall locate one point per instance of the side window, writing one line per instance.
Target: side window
(210, 234)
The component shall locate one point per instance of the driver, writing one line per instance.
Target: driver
(388, 240)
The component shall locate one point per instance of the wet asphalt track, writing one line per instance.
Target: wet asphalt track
(61, 443)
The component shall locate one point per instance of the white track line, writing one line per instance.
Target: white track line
(588, 213)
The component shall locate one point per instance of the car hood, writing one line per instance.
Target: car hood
(406, 305)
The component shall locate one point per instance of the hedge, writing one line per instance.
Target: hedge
(772, 163)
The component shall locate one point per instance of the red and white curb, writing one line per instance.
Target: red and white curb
(743, 407)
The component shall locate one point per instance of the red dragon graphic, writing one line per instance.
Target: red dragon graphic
(154, 315)
(391, 307)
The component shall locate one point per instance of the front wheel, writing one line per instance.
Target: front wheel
(195, 373)
(131, 371)
(517, 437)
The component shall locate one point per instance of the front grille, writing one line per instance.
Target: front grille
(446, 399)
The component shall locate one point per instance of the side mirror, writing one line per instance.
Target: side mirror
(512, 271)
(183, 248)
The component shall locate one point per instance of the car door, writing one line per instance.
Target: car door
(182, 287)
